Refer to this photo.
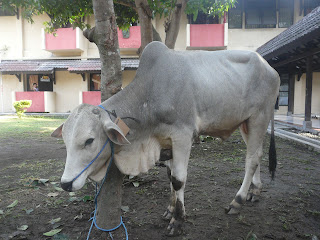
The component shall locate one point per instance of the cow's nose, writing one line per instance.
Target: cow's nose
(67, 186)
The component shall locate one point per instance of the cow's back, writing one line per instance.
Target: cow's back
(190, 86)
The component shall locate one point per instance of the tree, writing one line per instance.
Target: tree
(104, 35)
(127, 12)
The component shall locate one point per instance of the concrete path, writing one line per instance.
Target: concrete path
(310, 140)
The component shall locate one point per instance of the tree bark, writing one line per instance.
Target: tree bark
(172, 25)
(105, 36)
(156, 35)
(145, 16)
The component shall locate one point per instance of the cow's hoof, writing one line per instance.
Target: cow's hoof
(167, 215)
(174, 228)
(251, 197)
(231, 210)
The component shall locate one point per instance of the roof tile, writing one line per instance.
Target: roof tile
(48, 66)
(295, 34)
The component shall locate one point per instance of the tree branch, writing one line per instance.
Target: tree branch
(89, 34)
(172, 25)
(127, 3)
(146, 8)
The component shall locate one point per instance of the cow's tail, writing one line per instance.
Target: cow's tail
(272, 150)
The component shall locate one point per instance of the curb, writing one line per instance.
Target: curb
(311, 144)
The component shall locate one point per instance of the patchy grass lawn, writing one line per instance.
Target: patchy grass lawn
(28, 126)
(32, 202)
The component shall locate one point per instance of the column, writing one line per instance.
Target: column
(307, 123)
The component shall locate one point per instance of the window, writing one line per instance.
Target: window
(261, 14)
(95, 82)
(6, 12)
(39, 82)
(285, 13)
(203, 18)
(284, 90)
(235, 16)
(309, 5)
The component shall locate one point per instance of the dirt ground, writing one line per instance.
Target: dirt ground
(289, 208)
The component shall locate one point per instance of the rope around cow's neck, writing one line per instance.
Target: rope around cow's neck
(93, 219)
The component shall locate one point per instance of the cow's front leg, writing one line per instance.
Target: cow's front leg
(179, 165)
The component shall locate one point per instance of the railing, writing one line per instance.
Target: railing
(72, 40)
(130, 39)
(64, 39)
(41, 101)
(207, 36)
(92, 97)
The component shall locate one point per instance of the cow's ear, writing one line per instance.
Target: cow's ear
(115, 134)
(58, 132)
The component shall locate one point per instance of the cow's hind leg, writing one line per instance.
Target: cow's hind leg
(179, 165)
(256, 186)
(169, 212)
(257, 127)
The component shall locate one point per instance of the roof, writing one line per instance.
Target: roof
(48, 66)
(299, 33)
(292, 46)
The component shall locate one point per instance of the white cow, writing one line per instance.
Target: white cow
(175, 96)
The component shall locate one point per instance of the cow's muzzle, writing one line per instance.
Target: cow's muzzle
(67, 186)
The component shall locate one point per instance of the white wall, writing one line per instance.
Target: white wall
(9, 37)
(67, 89)
(251, 39)
(11, 84)
(300, 94)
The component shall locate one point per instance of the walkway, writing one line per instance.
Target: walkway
(297, 121)
(284, 125)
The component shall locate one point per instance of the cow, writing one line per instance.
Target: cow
(175, 97)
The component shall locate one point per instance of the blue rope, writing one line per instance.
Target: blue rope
(92, 160)
(93, 219)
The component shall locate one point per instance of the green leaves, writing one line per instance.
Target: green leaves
(23, 227)
(52, 232)
(21, 106)
(13, 204)
(209, 7)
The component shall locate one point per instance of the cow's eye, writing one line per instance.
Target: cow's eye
(89, 141)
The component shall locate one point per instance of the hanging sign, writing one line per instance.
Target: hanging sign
(45, 79)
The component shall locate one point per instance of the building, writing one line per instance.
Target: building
(295, 54)
(66, 68)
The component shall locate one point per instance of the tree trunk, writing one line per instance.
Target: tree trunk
(105, 36)
(156, 35)
(145, 16)
(172, 25)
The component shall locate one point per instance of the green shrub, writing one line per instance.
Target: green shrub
(21, 106)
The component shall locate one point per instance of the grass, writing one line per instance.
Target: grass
(28, 126)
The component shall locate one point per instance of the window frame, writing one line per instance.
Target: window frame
(309, 5)
(6, 13)
(291, 7)
(29, 88)
(261, 10)
(284, 80)
(91, 83)
(239, 7)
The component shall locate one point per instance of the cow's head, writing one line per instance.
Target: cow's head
(84, 133)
